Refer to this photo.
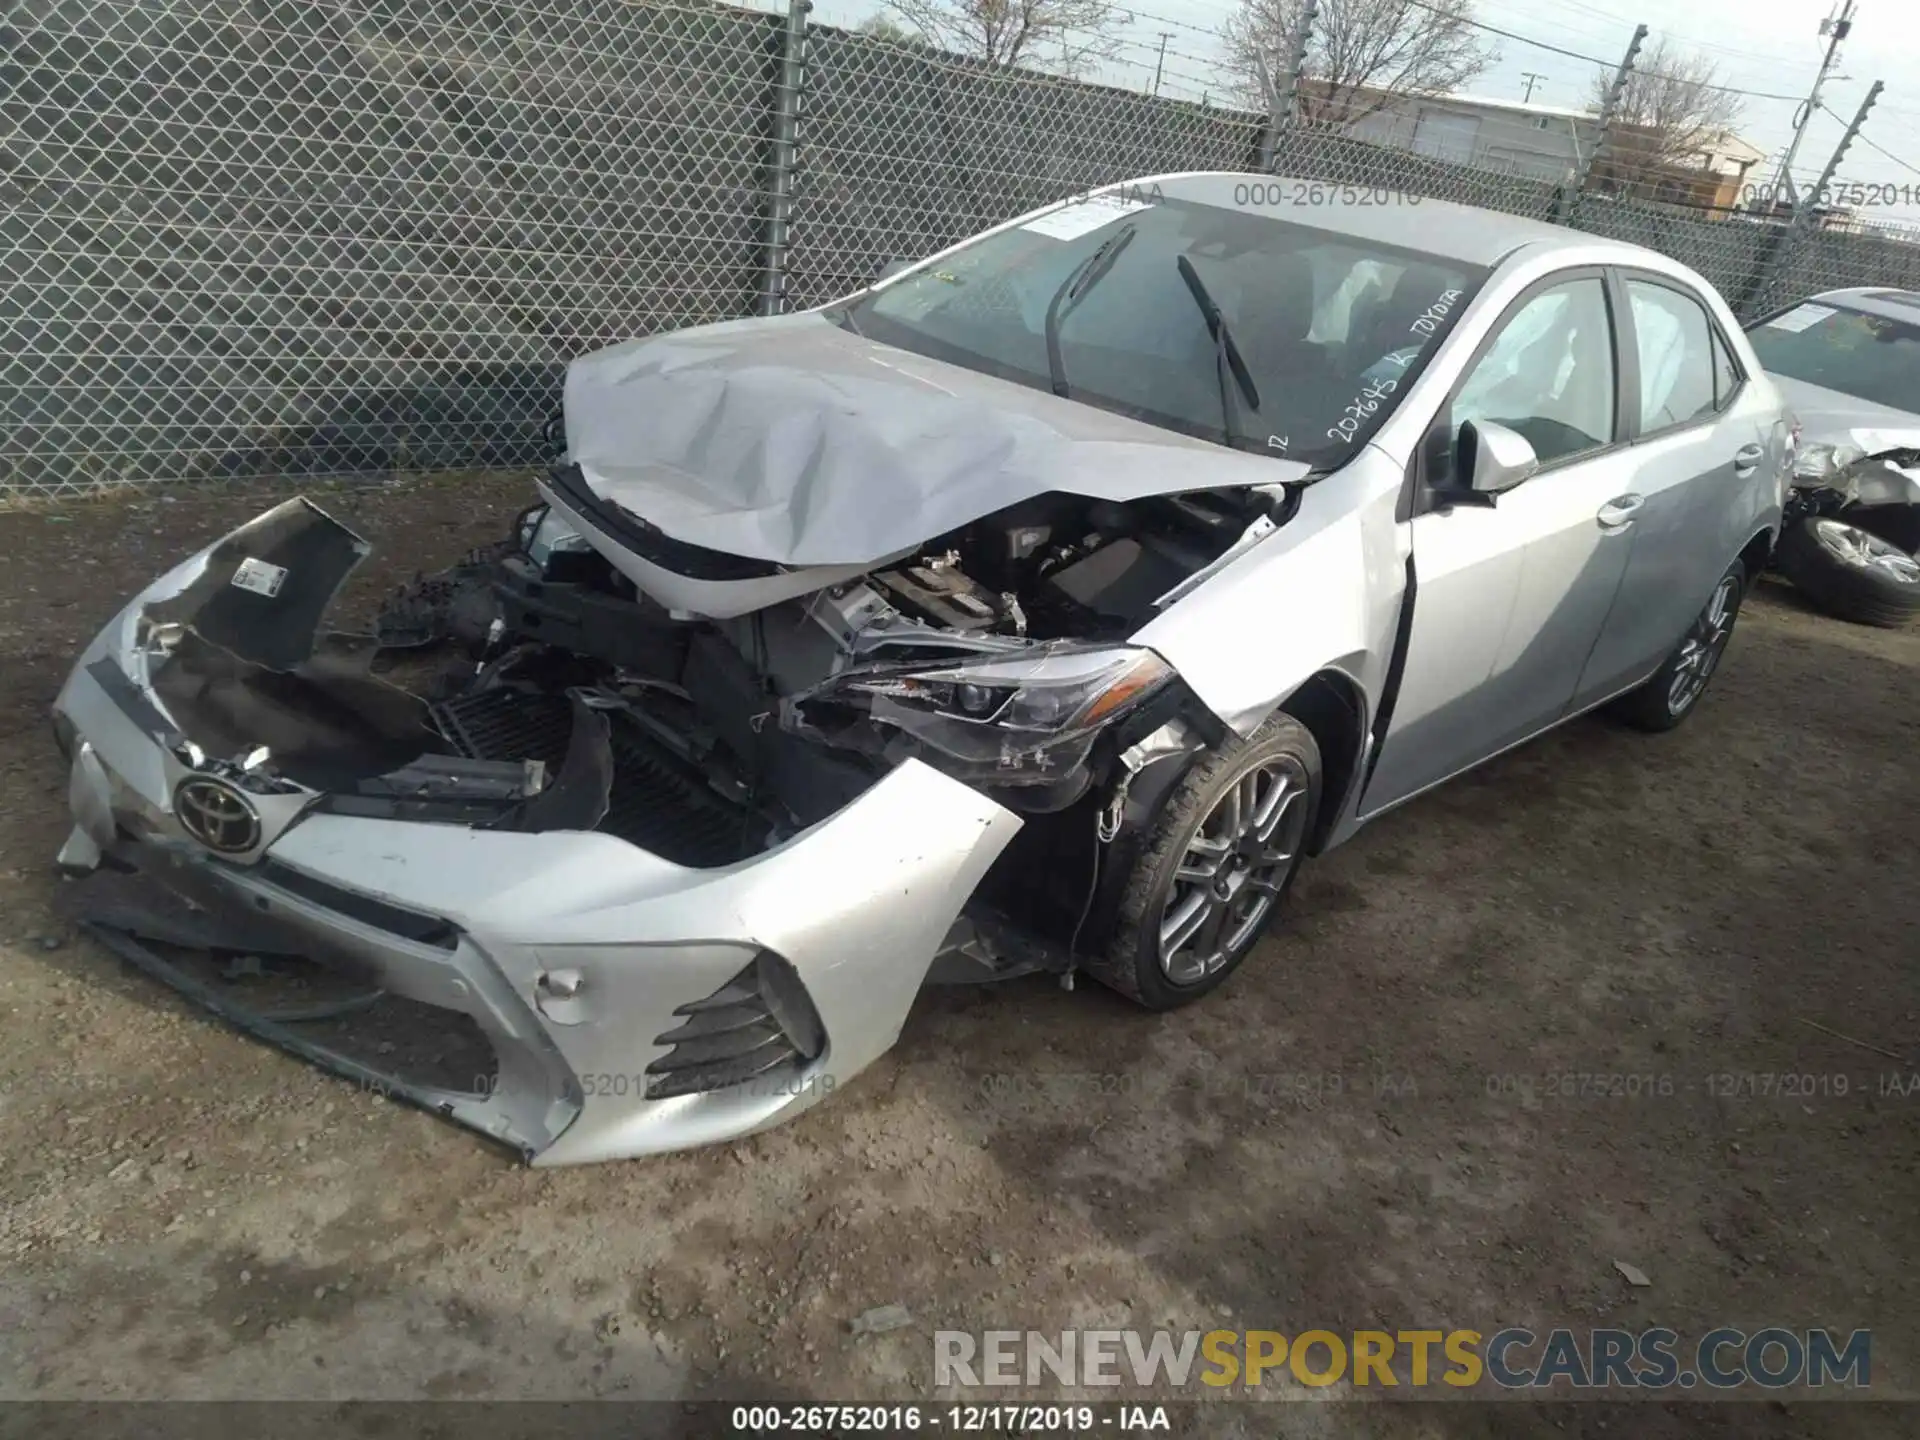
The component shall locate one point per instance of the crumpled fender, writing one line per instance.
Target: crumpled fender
(1879, 480)
(1322, 593)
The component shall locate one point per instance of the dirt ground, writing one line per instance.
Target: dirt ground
(1339, 1140)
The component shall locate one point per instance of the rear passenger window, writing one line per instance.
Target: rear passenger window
(1679, 356)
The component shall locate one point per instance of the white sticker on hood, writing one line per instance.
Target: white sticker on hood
(1077, 217)
(260, 576)
(1800, 317)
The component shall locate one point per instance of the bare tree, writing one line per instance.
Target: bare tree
(1671, 115)
(882, 26)
(1066, 36)
(1362, 54)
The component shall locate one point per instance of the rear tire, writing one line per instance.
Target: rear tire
(1850, 572)
(1676, 687)
(1216, 869)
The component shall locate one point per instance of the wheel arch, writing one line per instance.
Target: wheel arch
(1757, 553)
(1333, 707)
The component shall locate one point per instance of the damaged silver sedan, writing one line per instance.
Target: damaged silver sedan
(1035, 610)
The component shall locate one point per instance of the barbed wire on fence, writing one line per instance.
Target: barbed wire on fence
(288, 240)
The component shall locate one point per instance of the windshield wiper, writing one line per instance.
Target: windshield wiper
(1072, 291)
(843, 317)
(1226, 354)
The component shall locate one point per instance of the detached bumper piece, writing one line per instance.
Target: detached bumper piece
(759, 1026)
(250, 970)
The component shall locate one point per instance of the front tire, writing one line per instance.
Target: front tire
(1676, 687)
(1216, 869)
(1851, 572)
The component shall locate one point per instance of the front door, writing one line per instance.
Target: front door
(1510, 598)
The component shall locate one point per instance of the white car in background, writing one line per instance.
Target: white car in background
(1848, 364)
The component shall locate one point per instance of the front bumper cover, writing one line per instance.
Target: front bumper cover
(569, 951)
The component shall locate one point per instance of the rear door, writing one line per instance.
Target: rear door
(1511, 597)
(1700, 433)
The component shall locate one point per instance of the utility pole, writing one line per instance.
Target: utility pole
(1159, 64)
(1533, 78)
(1835, 28)
(1761, 292)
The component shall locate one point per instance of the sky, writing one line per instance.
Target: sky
(1771, 47)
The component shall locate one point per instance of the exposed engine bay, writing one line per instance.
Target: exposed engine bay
(996, 653)
(545, 690)
(572, 699)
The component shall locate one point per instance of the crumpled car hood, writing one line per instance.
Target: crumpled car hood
(793, 441)
(1832, 417)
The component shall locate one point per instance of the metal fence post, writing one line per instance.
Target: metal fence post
(1798, 227)
(1806, 206)
(1608, 107)
(786, 129)
(1280, 99)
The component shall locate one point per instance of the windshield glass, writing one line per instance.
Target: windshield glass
(1327, 328)
(1867, 356)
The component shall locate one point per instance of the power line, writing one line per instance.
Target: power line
(1627, 23)
(1905, 165)
(1595, 60)
(1505, 34)
(1211, 32)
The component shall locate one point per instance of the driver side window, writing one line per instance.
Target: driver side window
(1549, 373)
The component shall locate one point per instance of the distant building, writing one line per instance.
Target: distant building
(1715, 177)
(1551, 142)
(1541, 142)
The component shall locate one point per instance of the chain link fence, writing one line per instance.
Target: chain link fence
(243, 239)
(905, 150)
(246, 238)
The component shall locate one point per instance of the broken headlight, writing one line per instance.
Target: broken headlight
(1008, 720)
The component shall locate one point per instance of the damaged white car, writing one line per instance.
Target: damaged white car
(1848, 364)
(1037, 609)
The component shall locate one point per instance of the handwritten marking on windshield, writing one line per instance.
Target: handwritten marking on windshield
(1366, 403)
(1434, 314)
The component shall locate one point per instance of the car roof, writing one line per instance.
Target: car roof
(1885, 300)
(1435, 227)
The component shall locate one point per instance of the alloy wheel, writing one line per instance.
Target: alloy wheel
(1868, 552)
(1232, 870)
(1700, 651)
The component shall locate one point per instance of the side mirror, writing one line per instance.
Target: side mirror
(1493, 459)
(892, 268)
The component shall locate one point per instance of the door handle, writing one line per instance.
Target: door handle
(1746, 457)
(1617, 514)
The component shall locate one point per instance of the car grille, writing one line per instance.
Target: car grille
(408, 924)
(654, 802)
(760, 1025)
